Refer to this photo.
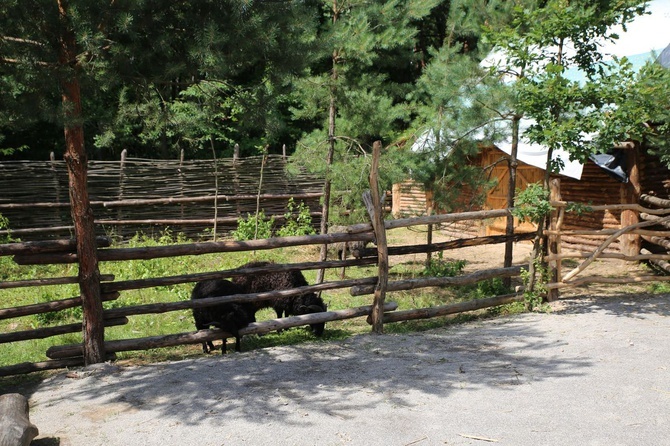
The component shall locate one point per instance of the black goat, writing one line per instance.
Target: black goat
(229, 317)
(284, 306)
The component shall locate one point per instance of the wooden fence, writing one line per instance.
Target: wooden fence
(71, 355)
(140, 195)
(380, 311)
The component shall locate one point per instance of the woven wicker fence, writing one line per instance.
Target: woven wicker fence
(141, 195)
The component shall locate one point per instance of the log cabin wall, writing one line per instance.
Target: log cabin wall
(595, 187)
(654, 175)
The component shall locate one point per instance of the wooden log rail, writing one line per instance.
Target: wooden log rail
(155, 252)
(197, 277)
(56, 305)
(444, 310)
(452, 244)
(66, 351)
(66, 245)
(170, 200)
(466, 279)
(47, 332)
(164, 307)
(614, 207)
(49, 281)
(30, 367)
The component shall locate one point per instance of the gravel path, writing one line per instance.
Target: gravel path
(593, 372)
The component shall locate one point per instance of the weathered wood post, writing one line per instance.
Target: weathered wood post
(375, 208)
(553, 245)
(122, 182)
(630, 194)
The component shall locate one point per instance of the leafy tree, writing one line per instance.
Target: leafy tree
(538, 46)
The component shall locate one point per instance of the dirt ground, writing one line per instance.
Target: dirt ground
(593, 371)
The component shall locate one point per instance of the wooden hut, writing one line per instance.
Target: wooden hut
(646, 174)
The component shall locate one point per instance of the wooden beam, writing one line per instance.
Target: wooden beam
(67, 245)
(197, 277)
(49, 282)
(155, 252)
(466, 279)
(375, 210)
(56, 305)
(444, 310)
(47, 332)
(197, 337)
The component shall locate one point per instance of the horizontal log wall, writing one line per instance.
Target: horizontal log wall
(139, 195)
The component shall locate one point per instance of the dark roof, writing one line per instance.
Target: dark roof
(664, 57)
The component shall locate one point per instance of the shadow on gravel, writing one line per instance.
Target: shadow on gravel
(334, 379)
(624, 305)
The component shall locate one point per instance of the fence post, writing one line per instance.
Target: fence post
(376, 210)
(554, 238)
(122, 182)
(630, 194)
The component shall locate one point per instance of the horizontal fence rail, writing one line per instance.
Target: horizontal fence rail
(71, 354)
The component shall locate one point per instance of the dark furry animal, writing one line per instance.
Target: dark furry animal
(229, 317)
(344, 248)
(284, 306)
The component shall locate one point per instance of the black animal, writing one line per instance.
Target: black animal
(229, 317)
(284, 306)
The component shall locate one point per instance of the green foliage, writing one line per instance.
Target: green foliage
(298, 220)
(443, 268)
(254, 227)
(578, 208)
(532, 203)
(533, 298)
(566, 113)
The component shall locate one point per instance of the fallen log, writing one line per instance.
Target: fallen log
(660, 241)
(648, 217)
(56, 305)
(15, 426)
(443, 310)
(66, 351)
(658, 263)
(655, 201)
(466, 279)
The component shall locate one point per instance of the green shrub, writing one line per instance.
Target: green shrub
(298, 220)
(443, 268)
(254, 227)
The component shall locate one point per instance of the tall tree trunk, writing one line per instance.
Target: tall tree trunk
(82, 214)
(332, 113)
